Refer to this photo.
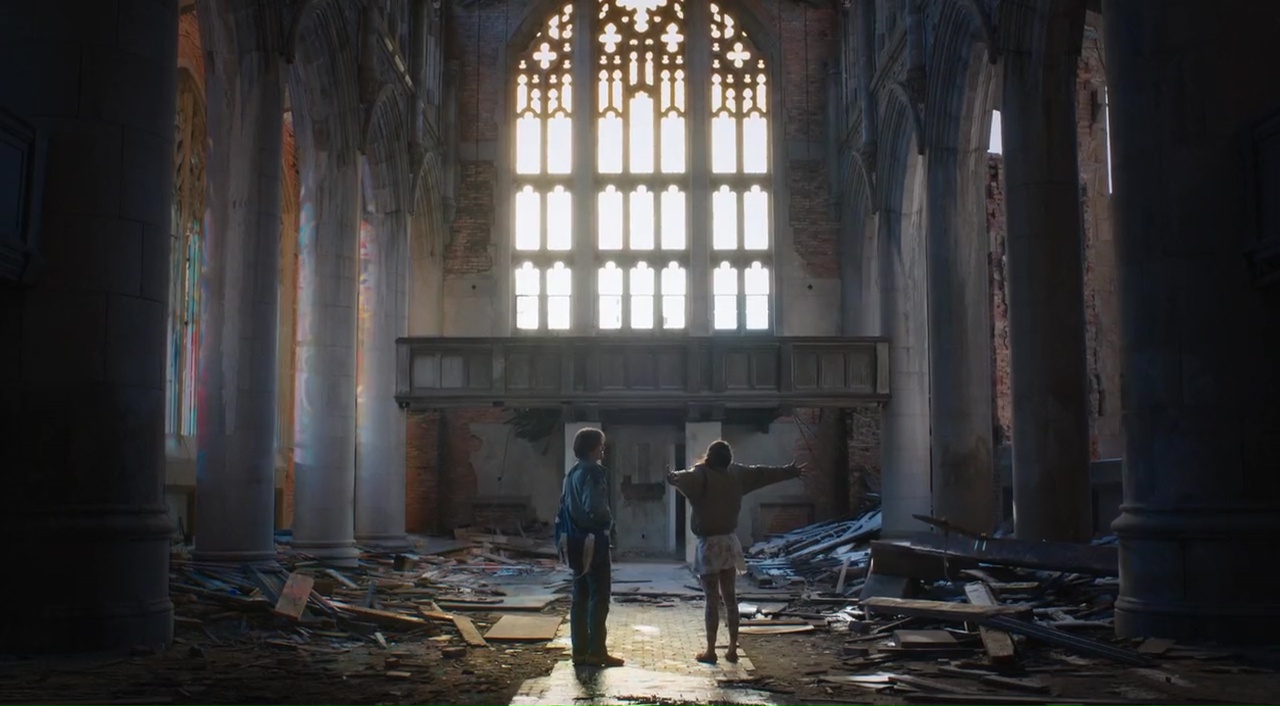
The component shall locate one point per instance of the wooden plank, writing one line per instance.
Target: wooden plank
(926, 684)
(531, 602)
(294, 595)
(468, 631)
(941, 610)
(924, 638)
(999, 644)
(381, 617)
(525, 628)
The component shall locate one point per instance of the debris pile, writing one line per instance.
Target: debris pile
(955, 616)
(308, 606)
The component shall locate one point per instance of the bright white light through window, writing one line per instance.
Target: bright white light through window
(642, 297)
(724, 288)
(559, 289)
(638, 200)
(611, 293)
(996, 144)
(755, 285)
(528, 287)
(673, 296)
(724, 219)
(673, 219)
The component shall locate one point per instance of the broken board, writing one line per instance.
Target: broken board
(524, 628)
(774, 629)
(531, 602)
(998, 643)
(941, 610)
(468, 631)
(294, 595)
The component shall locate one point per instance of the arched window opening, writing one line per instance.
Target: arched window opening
(640, 241)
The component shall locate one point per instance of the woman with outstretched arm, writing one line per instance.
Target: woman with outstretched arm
(714, 487)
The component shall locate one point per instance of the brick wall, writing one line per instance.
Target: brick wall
(1102, 333)
(862, 425)
(440, 480)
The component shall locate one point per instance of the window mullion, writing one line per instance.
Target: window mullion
(698, 299)
(584, 102)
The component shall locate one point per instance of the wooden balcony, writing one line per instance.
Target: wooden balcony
(633, 373)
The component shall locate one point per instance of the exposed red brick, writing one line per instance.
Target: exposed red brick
(440, 481)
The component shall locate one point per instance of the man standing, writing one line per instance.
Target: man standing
(582, 532)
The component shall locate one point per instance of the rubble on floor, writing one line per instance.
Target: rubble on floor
(958, 617)
(397, 627)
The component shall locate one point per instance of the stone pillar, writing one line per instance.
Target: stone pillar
(959, 316)
(1201, 508)
(82, 384)
(1045, 251)
(380, 423)
(236, 413)
(325, 426)
(903, 318)
(697, 437)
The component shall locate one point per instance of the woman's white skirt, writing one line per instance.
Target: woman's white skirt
(718, 553)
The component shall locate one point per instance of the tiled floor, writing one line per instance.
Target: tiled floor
(659, 645)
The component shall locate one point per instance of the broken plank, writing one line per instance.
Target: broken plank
(342, 579)
(926, 684)
(1156, 646)
(941, 610)
(1029, 685)
(536, 628)
(468, 631)
(385, 618)
(294, 595)
(998, 643)
(1078, 643)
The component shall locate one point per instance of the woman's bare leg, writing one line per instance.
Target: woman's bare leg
(728, 592)
(711, 588)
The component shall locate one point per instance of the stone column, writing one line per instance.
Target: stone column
(1045, 251)
(903, 318)
(380, 423)
(236, 413)
(82, 384)
(959, 315)
(1201, 508)
(325, 427)
(697, 437)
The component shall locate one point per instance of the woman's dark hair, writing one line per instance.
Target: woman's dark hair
(586, 441)
(718, 455)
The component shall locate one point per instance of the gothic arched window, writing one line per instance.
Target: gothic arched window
(658, 217)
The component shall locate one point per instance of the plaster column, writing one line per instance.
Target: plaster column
(1191, 142)
(1045, 251)
(82, 348)
(903, 318)
(325, 426)
(380, 423)
(236, 413)
(697, 437)
(959, 343)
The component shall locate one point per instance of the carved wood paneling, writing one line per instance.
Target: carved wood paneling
(739, 372)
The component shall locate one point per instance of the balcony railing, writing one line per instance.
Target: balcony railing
(740, 372)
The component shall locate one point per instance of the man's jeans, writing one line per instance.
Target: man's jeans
(590, 609)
